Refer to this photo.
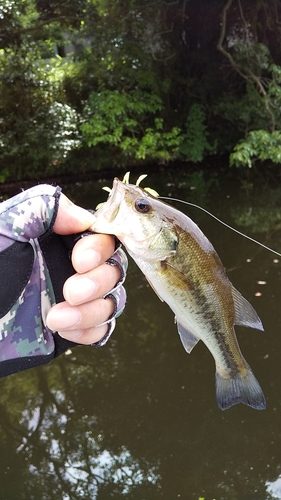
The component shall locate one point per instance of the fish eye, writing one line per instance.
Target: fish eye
(142, 205)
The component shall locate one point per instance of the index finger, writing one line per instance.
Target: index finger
(91, 251)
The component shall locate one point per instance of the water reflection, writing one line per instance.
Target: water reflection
(274, 488)
(138, 418)
(59, 444)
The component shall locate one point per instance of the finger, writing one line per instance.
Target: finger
(89, 286)
(71, 218)
(63, 317)
(91, 251)
(86, 337)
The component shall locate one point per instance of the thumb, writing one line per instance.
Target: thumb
(71, 218)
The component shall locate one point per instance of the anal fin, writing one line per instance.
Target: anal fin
(188, 339)
(245, 314)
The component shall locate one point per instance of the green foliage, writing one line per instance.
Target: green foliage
(136, 81)
(39, 127)
(246, 111)
(258, 114)
(119, 119)
(250, 53)
(195, 142)
(157, 144)
(259, 145)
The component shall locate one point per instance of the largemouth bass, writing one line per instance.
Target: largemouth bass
(185, 271)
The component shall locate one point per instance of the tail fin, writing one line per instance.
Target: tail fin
(239, 389)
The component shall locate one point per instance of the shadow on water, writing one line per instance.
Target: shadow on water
(138, 418)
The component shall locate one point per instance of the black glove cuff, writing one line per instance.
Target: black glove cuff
(23, 255)
(57, 254)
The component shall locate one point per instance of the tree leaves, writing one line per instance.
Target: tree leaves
(128, 82)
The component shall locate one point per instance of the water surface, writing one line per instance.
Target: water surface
(138, 418)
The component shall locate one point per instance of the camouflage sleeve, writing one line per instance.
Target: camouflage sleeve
(26, 292)
(34, 265)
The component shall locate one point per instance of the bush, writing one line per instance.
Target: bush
(195, 144)
(259, 145)
(129, 122)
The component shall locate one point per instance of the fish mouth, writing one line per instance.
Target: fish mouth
(109, 210)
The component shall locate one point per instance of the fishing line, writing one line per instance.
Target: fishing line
(223, 223)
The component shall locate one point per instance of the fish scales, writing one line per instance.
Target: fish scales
(185, 271)
(191, 291)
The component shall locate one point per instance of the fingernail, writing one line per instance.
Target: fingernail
(63, 318)
(73, 335)
(84, 290)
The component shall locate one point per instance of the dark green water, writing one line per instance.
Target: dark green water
(138, 418)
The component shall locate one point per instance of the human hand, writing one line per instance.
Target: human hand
(83, 316)
(36, 273)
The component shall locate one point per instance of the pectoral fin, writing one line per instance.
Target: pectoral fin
(188, 339)
(176, 277)
(245, 314)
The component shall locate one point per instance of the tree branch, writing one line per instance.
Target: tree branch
(246, 73)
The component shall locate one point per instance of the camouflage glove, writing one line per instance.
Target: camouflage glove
(117, 294)
(34, 264)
